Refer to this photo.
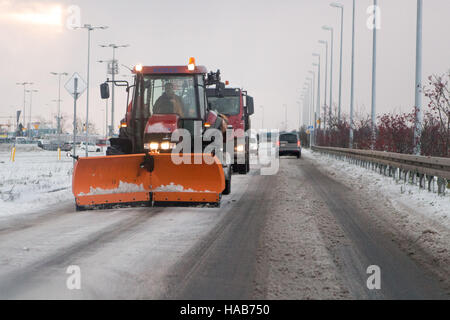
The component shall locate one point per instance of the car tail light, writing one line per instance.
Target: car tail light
(278, 143)
(298, 143)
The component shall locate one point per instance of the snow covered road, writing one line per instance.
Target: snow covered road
(305, 233)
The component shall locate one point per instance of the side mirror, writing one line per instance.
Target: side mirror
(104, 90)
(250, 107)
(220, 87)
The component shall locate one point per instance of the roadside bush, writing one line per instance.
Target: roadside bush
(395, 132)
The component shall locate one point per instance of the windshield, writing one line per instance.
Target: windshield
(164, 94)
(289, 138)
(225, 105)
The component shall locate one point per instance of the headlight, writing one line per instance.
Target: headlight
(151, 146)
(240, 148)
(154, 145)
(165, 145)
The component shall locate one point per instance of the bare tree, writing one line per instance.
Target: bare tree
(438, 92)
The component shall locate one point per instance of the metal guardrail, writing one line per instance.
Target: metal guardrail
(410, 168)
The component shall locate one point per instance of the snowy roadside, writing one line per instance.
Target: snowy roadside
(401, 195)
(417, 220)
(35, 180)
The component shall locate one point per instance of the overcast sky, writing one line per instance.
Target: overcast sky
(263, 46)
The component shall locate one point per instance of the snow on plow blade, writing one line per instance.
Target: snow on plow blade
(187, 182)
(123, 179)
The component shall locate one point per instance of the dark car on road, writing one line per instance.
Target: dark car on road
(289, 144)
(54, 145)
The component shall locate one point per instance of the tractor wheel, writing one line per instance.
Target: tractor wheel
(227, 189)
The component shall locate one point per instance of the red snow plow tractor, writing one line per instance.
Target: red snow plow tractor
(161, 156)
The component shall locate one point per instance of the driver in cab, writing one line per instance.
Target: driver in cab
(169, 102)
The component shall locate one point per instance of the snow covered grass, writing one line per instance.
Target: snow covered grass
(37, 179)
(430, 204)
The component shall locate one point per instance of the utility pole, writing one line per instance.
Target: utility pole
(58, 119)
(114, 71)
(418, 98)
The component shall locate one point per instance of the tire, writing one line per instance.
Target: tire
(79, 208)
(113, 151)
(227, 189)
(247, 162)
(299, 155)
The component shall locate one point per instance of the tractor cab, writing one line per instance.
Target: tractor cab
(164, 99)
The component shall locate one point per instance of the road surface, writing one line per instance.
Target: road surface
(300, 234)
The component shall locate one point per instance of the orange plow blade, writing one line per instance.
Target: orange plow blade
(122, 179)
(187, 182)
(110, 180)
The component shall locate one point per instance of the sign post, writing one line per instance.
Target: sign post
(75, 97)
(75, 86)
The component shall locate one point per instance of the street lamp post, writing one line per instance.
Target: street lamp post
(31, 105)
(58, 120)
(24, 84)
(305, 104)
(340, 6)
(317, 113)
(262, 117)
(374, 73)
(326, 80)
(313, 114)
(308, 103)
(352, 96)
(107, 131)
(310, 97)
(318, 91)
(418, 97)
(89, 28)
(331, 71)
(113, 73)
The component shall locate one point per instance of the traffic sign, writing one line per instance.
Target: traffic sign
(80, 88)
